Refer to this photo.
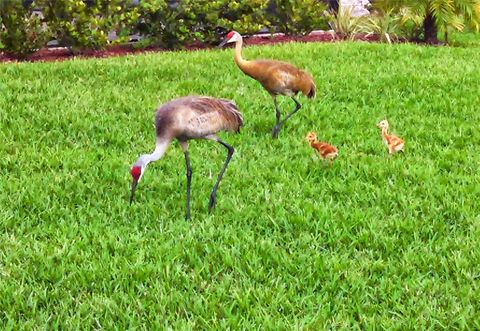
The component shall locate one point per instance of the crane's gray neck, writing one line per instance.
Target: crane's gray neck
(157, 154)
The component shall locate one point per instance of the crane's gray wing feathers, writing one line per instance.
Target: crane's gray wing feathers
(196, 117)
(217, 114)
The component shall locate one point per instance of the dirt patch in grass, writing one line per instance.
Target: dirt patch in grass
(63, 53)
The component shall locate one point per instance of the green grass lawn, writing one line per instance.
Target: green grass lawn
(372, 242)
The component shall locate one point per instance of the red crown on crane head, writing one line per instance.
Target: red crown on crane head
(136, 172)
(230, 34)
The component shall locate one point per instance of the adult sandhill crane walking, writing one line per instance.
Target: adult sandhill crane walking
(191, 117)
(278, 78)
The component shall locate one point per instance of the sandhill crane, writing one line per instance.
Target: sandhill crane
(325, 150)
(278, 78)
(191, 117)
(394, 143)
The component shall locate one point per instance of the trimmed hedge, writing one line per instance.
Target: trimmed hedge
(86, 24)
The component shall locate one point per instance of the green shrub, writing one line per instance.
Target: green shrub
(215, 17)
(298, 17)
(21, 31)
(81, 24)
(173, 25)
(86, 24)
(163, 24)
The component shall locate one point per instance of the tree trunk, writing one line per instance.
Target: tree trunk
(430, 29)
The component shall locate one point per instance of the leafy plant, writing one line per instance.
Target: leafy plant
(22, 32)
(80, 24)
(345, 25)
(387, 26)
(298, 17)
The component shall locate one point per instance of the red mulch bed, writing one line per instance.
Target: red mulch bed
(61, 54)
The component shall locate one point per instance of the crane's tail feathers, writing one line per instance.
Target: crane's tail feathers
(235, 117)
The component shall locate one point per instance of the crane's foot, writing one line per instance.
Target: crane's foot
(212, 202)
(275, 132)
(187, 217)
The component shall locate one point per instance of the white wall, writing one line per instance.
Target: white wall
(358, 6)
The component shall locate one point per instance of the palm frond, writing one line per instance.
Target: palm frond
(446, 13)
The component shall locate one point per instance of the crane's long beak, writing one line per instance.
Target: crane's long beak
(134, 186)
(222, 43)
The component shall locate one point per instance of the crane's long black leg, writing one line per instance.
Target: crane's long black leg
(297, 108)
(213, 195)
(276, 128)
(189, 177)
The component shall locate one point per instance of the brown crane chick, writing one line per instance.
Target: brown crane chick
(394, 143)
(277, 77)
(324, 150)
(184, 119)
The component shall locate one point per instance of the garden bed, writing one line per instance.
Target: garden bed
(64, 53)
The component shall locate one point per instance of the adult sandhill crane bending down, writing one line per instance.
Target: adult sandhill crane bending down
(188, 118)
(278, 78)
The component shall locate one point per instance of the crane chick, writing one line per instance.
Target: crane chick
(324, 150)
(394, 143)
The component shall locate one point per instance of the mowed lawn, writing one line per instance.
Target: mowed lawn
(371, 242)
